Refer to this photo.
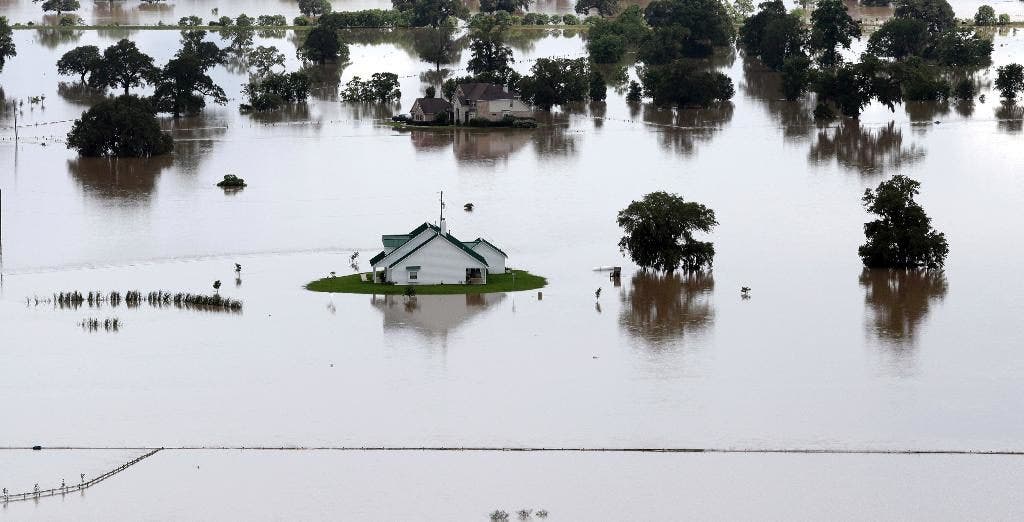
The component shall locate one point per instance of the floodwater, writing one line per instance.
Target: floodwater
(823, 355)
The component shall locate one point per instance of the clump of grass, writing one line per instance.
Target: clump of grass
(135, 298)
(92, 324)
(542, 513)
(524, 513)
(499, 515)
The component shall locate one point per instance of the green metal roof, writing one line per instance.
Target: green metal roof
(394, 240)
(378, 257)
(450, 239)
(492, 245)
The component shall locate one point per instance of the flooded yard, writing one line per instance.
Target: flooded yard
(824, 354)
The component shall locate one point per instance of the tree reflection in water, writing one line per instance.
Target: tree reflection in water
(51, 38)
(680, 130)
(898, 301)
(661, 308)
(765, 86)
(128, 179)
(1009, 117)
(866, 150)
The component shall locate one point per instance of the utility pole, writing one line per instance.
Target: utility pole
(442, 206)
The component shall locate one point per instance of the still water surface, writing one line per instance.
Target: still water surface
(824, 354)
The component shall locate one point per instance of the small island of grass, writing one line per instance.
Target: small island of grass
(514, 281)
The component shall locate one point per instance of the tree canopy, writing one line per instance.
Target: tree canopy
(122, 127)
(490, 57)
(433, 13)
(851, 87)
(509, 6)
(832, 27)
(899, 38)
(182, 85)
(274, 90)
(314, 8)
(381, 87)
(7, 48)
(556, 81)
(60, 6)
(124, 66)
(682, 84)
(937, 14)
(322, 45)
(685, 29)
(902, 237)
(1010, 80)
(659, 232)
(773, 35)
(608, 39)
(603, 7)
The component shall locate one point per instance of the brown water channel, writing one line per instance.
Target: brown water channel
(822, 355)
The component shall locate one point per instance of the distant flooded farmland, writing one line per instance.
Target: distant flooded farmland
(823, 354)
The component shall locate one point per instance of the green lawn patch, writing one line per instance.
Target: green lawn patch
(515, 281)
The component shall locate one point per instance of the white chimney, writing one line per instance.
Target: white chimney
(444, 227)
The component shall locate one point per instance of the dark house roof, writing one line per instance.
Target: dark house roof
(482, 240)
(484, 91)
(415, 232)
(432, 105)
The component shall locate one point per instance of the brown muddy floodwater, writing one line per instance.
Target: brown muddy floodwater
(823, 354)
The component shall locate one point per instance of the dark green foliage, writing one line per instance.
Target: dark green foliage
(229, 181)
(899, 38)
(81, 60)
(985, 16)
(271, 21)
(556, 81)
(381, 87)
(190, 21)
(920, 81)
(603, 7)
(490, 55)
(122, 127)
(59, 6)
(536, 19)
(7, 48)
(374, 18)
(509, 6)
(275, 90)
(823, 112)
(796, 77)
(433, 13)
(876, 3)
(832, 27)
(902, 237)
(437, 46)
(851, 87)
(569, 19)
(124, 66)
(598, 88)
(685, 28)
(1010, 80)
(961, 48)
(183, 85)
(659, 233)
(608, 48)
(964, 89)
(314, 8)
(322, 45)
(681, 84)
(936, 14)
(240, 33)
(635, 92)
(608, 38)
(773, 35)
(263, 59)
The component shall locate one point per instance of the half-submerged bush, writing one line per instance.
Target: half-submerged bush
(123, 127)
(231, 181)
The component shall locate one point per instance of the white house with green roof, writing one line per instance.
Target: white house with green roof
(429, 255)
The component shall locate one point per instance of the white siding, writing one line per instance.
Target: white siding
(495, 259)
(440, 262)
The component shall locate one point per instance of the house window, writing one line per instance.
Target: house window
(412, 275)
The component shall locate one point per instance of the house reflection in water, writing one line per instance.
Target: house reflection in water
(490, 144)
(661, 308)
(433, 315)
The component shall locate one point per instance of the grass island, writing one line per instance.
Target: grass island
(513, 281)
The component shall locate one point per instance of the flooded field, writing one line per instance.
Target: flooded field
(823, 355)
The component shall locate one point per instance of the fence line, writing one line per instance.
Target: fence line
(63, 489)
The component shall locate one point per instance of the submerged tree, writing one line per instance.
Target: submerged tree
(381, 87)
(509, 6)
(183, 84)
(1010, 80)
(681, 84)
(274, 90)
(59, 6)
(7, 49)
(322, 45)
(659, 233)
(433, 13)
(773, 35)
(83, 60)
(832, 27)
(556, 81)
(122, 127)
(124, 66)
(490, 57)
(603, 7)
(314, 8)
(902, 237)
(263, 59)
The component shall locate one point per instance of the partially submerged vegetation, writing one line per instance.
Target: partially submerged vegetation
(133, 299)
(514, 281)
